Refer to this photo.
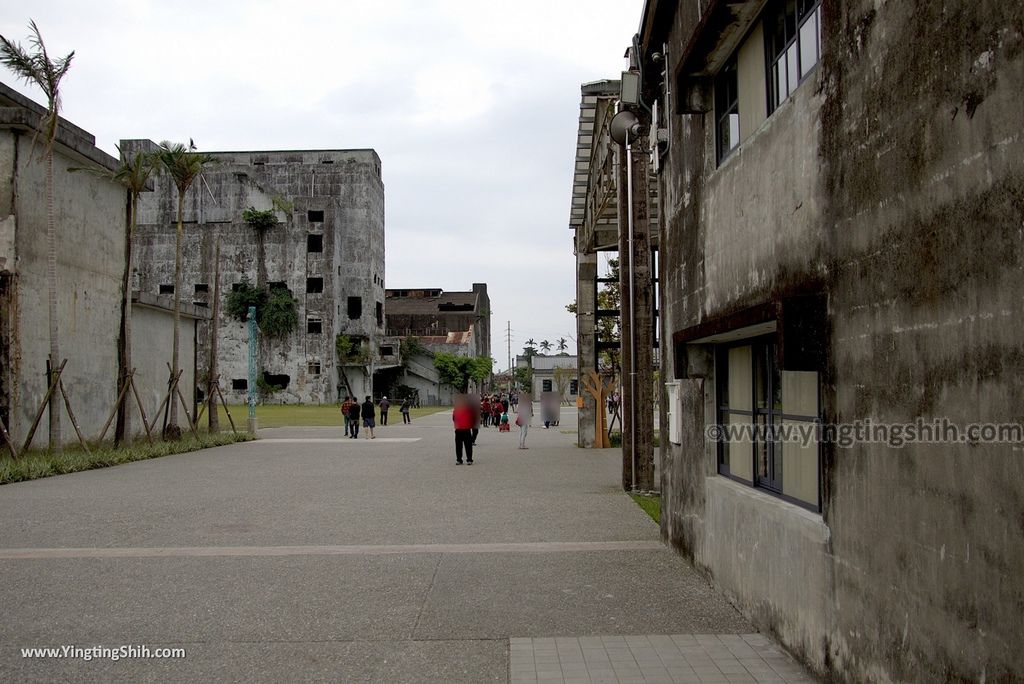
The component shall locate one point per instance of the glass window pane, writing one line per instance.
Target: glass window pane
(779, 81)
(800, 393)
(808, 45)
(734, 130)
(800, 476)
(740, 381)
(761, 449)
(739, 450)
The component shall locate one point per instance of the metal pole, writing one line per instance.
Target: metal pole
(632, 309)
(252, 370)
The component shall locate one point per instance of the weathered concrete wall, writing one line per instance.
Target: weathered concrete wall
(422, 376)
(343, 184)
(151, 350)
(90, 218)
(890, 181)
(923, 153)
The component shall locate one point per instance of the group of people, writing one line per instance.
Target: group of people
(365, 413)
(471, 412)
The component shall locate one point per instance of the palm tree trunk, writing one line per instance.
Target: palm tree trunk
(123, 431)
(172, 420)
(56, 443)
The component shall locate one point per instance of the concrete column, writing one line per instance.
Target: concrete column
(586, 340)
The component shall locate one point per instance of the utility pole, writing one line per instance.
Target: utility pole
(636, 310)
(508, 340)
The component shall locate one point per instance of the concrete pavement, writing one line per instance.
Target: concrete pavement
(306, 556)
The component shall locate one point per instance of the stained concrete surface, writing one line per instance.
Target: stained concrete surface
(373, 613)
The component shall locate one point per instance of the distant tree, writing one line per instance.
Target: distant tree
(545, 345)
(563, 377)
(36, 67)
(184, 165)
(562, 345)
(458, 371)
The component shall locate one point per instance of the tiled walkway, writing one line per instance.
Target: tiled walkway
(675, 659)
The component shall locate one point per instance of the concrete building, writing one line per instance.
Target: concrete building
(434, 313)
(152, 333)
(456, 323)
(841, 245)
(327, 249)
(556, 374)
(91, 219)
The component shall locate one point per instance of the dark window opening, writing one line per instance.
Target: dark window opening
(166, 289)
(574, 387)
(326, 161)
(314, 285)
(236, 287)
(279, 382)
(793, 43)
(380, 314)
(546, 385)
(202, 287)
(315, 242)
(202, 304)
(258, 163)
(240, 384)
(314, 325)
(727, 110)
(355, 308)
(313, 368)
(387, 351)
(449, 306)
(315, 215)
(277, 285)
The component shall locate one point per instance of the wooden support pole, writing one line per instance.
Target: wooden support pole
(224, 403)
(176, 388)
(117, 405)
(55, 378)
(142, 412)
(8, 441)
(71, 415)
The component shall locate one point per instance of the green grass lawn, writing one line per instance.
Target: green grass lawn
(650, 504)
(38, 463)
(307, 415)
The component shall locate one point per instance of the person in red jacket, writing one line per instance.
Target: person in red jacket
(464, 418)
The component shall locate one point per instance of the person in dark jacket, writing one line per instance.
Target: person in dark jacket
(353, 417)
(464, 417)
(384, 406)
(369, 412)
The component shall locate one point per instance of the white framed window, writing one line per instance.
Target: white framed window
(675, 414)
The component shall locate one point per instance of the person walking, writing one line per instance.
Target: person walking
(345, 406)
(485, 411)
(384, 406)
(404, 410)
(523, 418)
(463, 418)
(353, 418)
(368, 412)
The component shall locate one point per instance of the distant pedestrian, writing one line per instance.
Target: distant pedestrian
(384, 406)
(474, 403)
(368, 412)
(353, 418)
(496, 411)
(523, 418)
(345, 406)
(485, 411)
(464, 416)
(404, 410)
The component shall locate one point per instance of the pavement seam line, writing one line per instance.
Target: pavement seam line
(327, 550)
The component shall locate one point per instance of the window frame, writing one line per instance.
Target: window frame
(804, 11)
(726, 106)
(773, 416)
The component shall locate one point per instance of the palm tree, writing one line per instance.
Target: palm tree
(37, 67)
(183, 165)
(562, 345)
(545, 345)
(133, 173)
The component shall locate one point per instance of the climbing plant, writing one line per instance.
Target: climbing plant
(260, 220)
(277, 311)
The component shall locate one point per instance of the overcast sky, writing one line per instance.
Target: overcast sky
(472, 106)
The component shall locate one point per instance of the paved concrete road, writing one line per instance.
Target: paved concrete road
(307, 556)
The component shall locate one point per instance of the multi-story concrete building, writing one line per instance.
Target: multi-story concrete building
(434, 313)
(327, 249)
(841, 246)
